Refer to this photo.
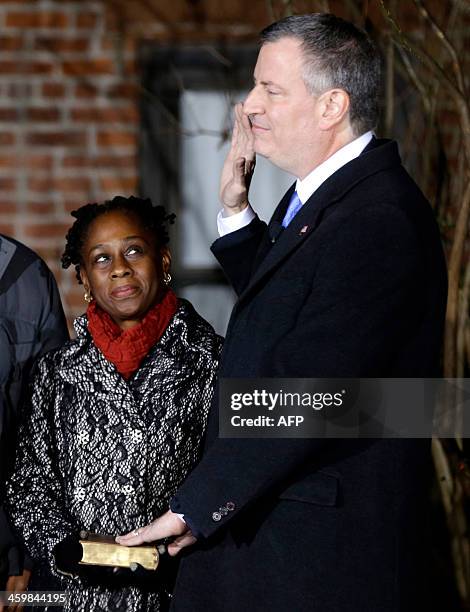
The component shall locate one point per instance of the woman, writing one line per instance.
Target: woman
(118, 414)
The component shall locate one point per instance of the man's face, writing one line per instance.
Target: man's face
(283, 114)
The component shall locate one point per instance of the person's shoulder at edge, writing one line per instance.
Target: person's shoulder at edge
(21, 249)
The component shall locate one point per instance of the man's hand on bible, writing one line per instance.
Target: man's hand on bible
(166, 526)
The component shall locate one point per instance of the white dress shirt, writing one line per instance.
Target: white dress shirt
(305, 188)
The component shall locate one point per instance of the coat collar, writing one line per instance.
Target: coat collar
(82, 363)
(378, 155)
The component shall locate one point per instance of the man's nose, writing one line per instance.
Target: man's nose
(253, 103)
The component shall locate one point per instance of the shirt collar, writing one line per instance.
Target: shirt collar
(306, 187)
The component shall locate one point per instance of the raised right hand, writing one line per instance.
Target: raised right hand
(239, 165)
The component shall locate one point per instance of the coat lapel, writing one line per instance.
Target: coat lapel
(377, 156)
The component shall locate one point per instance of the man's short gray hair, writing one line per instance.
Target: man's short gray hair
(337, 55)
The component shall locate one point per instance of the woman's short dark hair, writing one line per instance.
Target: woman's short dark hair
(153, 218)
(336, 54)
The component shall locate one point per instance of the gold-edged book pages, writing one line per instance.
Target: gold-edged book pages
(103, 550)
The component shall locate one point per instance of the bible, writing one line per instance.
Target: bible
(103, 550)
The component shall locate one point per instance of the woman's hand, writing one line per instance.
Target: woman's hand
(167, 525)
(239, 165)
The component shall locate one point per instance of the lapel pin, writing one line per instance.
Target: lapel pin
(303, 230)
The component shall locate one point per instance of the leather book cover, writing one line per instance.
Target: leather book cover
(103, 550)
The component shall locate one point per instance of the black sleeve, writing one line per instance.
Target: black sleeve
(236, 252)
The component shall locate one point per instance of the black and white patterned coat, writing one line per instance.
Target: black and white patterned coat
(101, 453)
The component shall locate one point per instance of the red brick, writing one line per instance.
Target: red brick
(7, 138)
(61, 45)
(124, 161)
(8, 114)
(25, 68)
(54, 139)
(65, 184)
(43, 114)
(78, 161)
(7, 183)
(11, 43)
(123, 115)
(40, 19)
(88, 67)
(85, 90)
(53, 90)
(8, 207)
(100, 161)
(124, 90)
(7, 229)
(38, 162)
(41, 208)
(43, 230)
(8, 161)
(106, 139)
(119, 184)
(31, 162)
(87, 20)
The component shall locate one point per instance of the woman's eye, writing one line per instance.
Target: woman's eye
(134, 250)
(101, 259)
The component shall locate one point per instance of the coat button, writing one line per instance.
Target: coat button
(216, 516)
(230, 506)
(223, 511)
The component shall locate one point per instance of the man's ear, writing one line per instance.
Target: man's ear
(166, 259)
(335, 107)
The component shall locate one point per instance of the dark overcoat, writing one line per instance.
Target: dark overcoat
(354, 287)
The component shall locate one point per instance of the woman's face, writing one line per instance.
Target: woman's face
(123, 266)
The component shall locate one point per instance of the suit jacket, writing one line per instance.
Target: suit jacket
(354, 287)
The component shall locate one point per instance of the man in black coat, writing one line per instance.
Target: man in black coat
(32, 322)
(348, 280)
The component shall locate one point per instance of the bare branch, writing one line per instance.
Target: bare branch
(455, 263)
(446, 42)
(412, 74)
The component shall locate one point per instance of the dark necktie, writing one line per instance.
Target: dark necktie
(294, 206)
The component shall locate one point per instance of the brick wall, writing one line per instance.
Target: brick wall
(68, 106)
(68, 122)
(69, 89)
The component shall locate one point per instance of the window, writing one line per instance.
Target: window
(189, 93)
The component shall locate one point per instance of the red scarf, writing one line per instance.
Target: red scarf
(127, 348)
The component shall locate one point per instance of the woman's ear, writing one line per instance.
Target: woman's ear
(166, 260)
(84, 279)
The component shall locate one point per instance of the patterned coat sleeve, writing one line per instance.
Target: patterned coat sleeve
(35, 500)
